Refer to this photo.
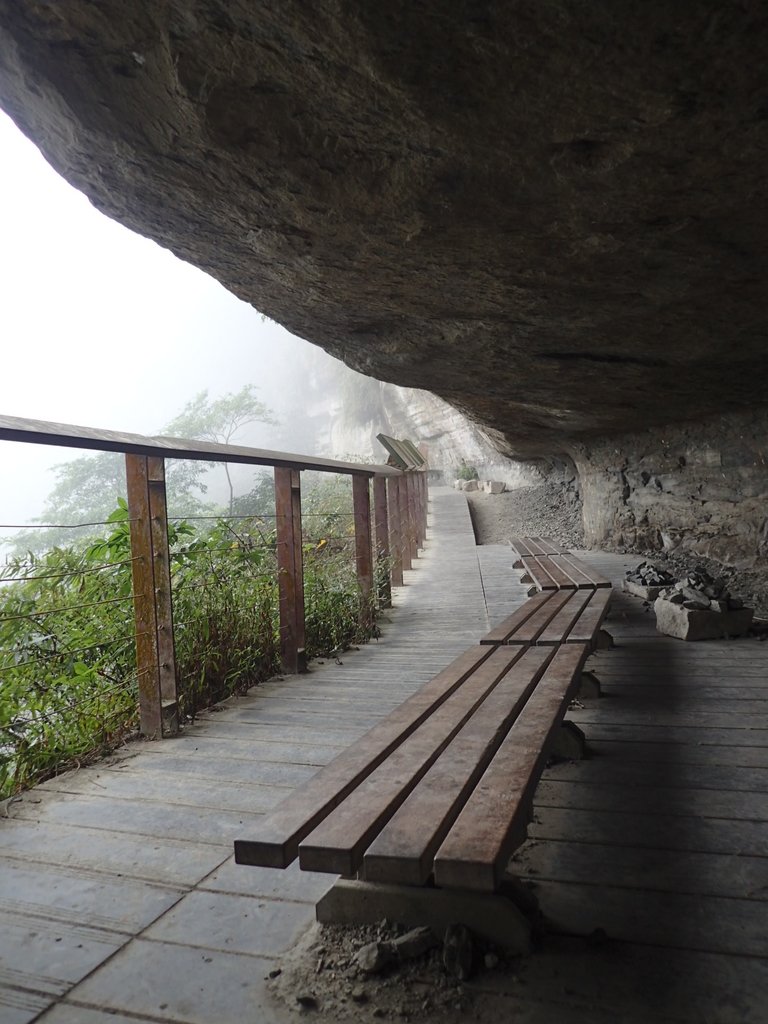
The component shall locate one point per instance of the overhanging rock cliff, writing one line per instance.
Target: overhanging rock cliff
(551, 214)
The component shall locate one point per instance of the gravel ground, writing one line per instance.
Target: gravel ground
(542, 511)
(545, 511)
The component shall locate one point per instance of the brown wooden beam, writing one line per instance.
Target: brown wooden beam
(405, 520)
(290, 569)
(381, 520)
(361, 505)
(413, 528)
(395, 531)
(155, 651)
(68, 435)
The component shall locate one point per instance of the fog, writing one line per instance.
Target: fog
(103, 328)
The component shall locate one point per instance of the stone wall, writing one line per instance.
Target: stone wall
(696, 488)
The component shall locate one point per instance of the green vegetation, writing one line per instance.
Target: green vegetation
(68, 682)
(465, 472)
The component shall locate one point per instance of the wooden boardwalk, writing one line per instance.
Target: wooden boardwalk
(119, 899)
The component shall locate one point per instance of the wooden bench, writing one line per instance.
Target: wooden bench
(436, 795)
(555, 617)
(549, 568)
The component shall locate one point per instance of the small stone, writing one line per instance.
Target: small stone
(307, 1000)
(376, 957)
(414, 943)
(359, 995)
(491, 960)
(276, 973)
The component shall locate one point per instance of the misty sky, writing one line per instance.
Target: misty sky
(104, 328)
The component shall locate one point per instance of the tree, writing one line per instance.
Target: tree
(87, 488)
(220, 420)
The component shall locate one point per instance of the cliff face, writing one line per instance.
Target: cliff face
(697, 488)
(446, 436)
(551, 214)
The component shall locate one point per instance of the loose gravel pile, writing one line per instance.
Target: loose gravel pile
(542, 511)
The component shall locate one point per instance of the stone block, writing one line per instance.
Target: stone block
(496, 487)
(638, 590)
(693, 624)
(471, 485)
(589, 686)
(491, 916)
(569, 742)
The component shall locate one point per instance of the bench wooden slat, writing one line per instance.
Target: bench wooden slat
(562, 624)
(591, 619)
(556, 572)
(338, 843)
(499, 634)
(578, 576)
(495, 817)
(597, 578)
(521, 546)
(538, 574)
(546, 546)
(529, 631)
(283, 828)
(403, 850)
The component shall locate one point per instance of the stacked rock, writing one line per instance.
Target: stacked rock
(649, 575)
(699, 591)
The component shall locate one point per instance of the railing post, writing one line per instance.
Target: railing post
(153, 612)
(413, 529)
(395, 531)
(418, 518)
(423, 483)
(290, 569)
(381, 520)
(405, 522)
(361, 505)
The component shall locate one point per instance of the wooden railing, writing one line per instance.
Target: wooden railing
(393, 526)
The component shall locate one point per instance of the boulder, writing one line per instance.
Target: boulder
(694, 624)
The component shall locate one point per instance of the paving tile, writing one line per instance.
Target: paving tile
(67, 1013)
(158, 860)
(20, 1007)
(81, 896)
(142, 817)
(172, 788)
(49, 957)
(284, 884)
(241, 924)
(183, 984)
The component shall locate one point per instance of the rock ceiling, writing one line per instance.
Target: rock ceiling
(552, 214)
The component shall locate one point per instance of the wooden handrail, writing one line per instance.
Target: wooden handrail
(400, 497)
(68, 435)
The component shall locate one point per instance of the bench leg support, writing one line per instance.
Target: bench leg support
(570, 743)
(521, 895)
(603, 641)
(492, 916)
(589, 688)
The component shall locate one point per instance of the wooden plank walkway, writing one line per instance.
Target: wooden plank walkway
(119, 899)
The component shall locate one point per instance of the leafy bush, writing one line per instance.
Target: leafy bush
(68, 680)
(465, 472)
